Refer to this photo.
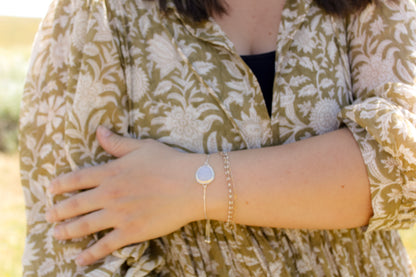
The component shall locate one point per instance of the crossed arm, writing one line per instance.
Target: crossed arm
(150, 190)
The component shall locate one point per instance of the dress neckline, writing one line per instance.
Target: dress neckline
(265, 55)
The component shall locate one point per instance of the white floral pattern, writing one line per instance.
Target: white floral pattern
(324, 116)
(123, 64)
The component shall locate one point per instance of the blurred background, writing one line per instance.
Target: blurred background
(19, 20)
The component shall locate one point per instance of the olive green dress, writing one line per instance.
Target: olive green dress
(125, 65)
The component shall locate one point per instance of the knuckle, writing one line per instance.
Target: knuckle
(115, 193)
(89, 256)
(65, 232)
(84, 227)
(130, 225)
(73, 204)
(105, 248)
(113, 169)
(77, 177)
(111, 192)
(125, 235)
(61, 232)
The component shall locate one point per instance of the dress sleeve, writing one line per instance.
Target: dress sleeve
(382, 41)
(76, 82)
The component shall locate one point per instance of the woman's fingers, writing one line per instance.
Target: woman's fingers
(85, 178)
(81, 203)
(85, 225)
(105, 246)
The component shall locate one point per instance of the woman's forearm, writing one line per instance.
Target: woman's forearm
(317, 183)
(150, 190)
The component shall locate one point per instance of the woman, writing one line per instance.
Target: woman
(328, 169)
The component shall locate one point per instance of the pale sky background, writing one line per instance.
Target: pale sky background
(24, 8)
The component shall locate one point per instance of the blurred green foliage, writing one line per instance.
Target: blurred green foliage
(16, 36)
(12, 73)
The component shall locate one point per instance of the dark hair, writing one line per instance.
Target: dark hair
(200, 10)
(343, 7)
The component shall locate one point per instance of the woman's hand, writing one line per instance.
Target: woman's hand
(144, 194)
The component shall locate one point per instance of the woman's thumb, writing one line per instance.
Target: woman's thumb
(114, 144)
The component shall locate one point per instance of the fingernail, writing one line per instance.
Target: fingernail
(80, 261)
(51, 189)
(53, 185)
(48, 216)
(57, 232)
(104, 131)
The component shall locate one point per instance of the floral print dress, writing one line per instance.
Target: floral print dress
(147, 74)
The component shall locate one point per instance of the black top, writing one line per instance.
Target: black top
(262, 66)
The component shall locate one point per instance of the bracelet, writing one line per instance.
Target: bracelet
(230, 188)
(204, 176)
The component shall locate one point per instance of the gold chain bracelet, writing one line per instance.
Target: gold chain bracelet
(230, 187)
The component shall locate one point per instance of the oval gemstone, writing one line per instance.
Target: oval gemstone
(205, 175)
